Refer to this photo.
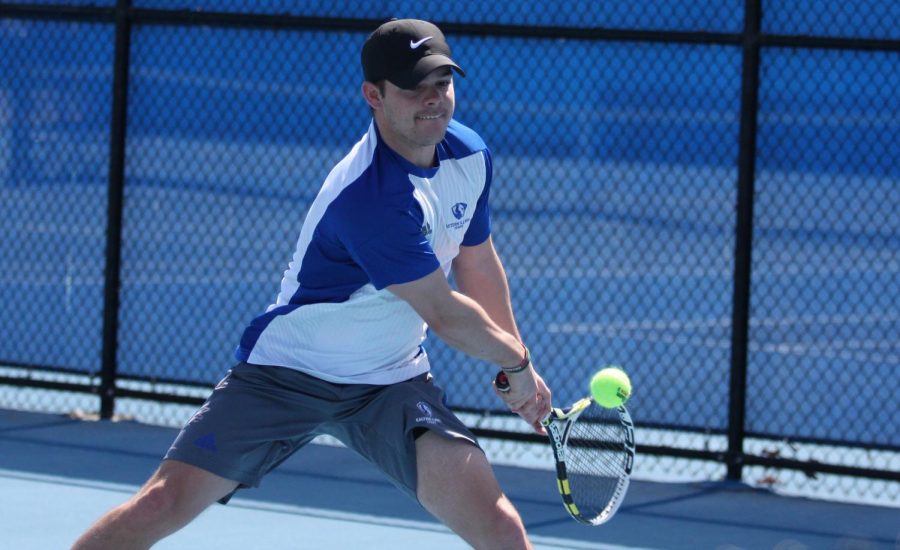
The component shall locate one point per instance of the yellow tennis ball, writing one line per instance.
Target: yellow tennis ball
(610, 387)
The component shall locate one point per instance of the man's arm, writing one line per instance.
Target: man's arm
(480, 275)
(464, 324)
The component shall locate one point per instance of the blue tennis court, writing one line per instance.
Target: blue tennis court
(58, 474)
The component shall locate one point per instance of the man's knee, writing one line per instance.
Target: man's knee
(457, 485)
(171, 498)
(156, 501)
(176, 494)
(507, 525)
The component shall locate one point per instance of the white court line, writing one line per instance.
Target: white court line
(719, 322)
(845, 269)
(29, 272)
(540, 542)
(660, 331)
(801, 350)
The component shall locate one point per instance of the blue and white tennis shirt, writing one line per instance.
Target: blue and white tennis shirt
(378, 220)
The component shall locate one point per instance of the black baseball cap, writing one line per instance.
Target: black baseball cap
(404, 51)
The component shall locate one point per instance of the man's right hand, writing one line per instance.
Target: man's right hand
(528, 396)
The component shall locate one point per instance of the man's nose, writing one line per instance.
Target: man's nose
(432, 95)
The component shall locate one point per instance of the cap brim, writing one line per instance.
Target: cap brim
(423, 67)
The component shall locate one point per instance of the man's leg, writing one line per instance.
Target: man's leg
(457, 484)
(171, 498)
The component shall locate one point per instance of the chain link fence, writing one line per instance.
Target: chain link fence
(617, 131)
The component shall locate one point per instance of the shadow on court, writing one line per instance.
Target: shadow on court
(58, 474)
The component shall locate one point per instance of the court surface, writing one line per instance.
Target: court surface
(57, 474)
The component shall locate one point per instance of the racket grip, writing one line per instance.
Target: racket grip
(501, 382)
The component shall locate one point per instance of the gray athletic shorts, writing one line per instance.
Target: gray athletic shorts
(258, 416)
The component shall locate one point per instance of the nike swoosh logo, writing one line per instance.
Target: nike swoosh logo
(414, 45)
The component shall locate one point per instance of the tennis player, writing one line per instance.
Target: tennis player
(340, 351)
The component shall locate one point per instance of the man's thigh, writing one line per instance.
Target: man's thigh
(457, 485)
(191, 489)
(453, 473)
(255, 418)
(385, 430)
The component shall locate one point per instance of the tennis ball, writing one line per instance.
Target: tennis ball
(610, 387)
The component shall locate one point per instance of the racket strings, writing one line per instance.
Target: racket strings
(596, 460)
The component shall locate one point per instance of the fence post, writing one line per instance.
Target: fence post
(115, 203)
(740, 322)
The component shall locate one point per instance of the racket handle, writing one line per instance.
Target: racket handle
(502, 382)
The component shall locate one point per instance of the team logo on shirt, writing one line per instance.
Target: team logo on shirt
(429, 414)
(426, 229)
(459, 212)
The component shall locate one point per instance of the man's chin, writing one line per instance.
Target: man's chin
(432, 134)
(429, 123)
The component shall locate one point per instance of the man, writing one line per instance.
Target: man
(339, 352)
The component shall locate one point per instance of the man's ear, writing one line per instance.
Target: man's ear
(372, 95)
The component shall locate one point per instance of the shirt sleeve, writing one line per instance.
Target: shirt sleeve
(392, 249)
(480, 226)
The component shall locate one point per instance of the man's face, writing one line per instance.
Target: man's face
(414, 121)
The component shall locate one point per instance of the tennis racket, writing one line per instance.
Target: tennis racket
(594, 451)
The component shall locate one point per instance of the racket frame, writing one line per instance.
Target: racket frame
(558, 424)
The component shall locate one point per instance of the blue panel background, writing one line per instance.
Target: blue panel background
(613, 201)
(836, 18)
(706, 15)
(231, 133)
(81, 3)
(55, 97)
(826, 312)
